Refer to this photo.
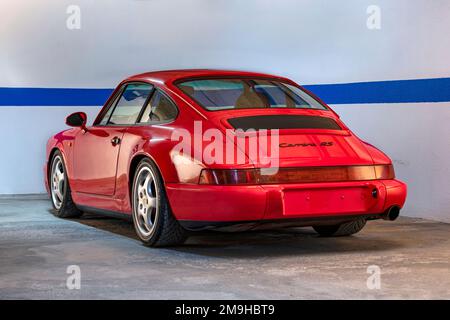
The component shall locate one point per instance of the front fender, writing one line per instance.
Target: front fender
(63, 142)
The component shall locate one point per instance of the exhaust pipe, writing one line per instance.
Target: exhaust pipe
(392, 213)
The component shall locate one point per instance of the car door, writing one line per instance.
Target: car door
(96, 149)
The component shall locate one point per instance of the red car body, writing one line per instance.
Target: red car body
(100, 172)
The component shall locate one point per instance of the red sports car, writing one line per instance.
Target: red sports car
(187, 150)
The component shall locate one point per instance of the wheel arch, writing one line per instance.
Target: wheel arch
(137, 158)
(51, 154)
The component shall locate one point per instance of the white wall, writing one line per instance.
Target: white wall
(310, 41)
(417, 138)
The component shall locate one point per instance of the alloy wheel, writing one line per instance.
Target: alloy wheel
(57, 182)
(145, 201)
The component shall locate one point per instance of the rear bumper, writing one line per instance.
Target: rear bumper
(216, 205)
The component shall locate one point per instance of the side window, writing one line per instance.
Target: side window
(160, 109)
(111, 106)
(130, 103)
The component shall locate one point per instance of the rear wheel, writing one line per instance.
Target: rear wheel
(61, 196)
(153, 220)
(343, 229)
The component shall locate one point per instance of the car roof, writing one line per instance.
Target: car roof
(170, 76)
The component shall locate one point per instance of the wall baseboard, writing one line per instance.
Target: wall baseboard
(28, 196)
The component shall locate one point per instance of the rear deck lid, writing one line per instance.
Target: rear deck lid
(304, 140)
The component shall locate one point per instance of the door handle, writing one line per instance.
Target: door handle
(115, 141)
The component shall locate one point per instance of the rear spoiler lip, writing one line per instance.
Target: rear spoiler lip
(342, 132)
(283, 132)
(300, 123)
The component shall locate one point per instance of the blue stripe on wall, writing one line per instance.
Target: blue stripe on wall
(396, 91)
(53, 97)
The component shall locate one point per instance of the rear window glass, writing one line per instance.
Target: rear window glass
(223, 94)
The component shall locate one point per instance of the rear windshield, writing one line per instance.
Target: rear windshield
(224, 94)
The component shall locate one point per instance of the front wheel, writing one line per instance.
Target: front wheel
(61, 196)
(152, 218)
(343, 229)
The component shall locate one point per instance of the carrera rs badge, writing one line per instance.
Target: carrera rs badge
(292, 145)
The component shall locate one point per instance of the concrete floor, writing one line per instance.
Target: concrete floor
(36, 248)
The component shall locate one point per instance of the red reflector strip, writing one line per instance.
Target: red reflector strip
(296, 175)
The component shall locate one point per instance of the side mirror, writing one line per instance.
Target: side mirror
(77, 119)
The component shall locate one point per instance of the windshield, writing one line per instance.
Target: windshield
(223, 94)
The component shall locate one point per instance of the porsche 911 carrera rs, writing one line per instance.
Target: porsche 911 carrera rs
(185, 150)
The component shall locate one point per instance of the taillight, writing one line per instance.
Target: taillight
(384, 171)
(296, 175)
(233, 176)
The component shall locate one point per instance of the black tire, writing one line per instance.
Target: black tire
(65, 207)
(344, 229)
(165, 229)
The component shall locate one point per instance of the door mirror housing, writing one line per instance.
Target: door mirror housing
(77, 119)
